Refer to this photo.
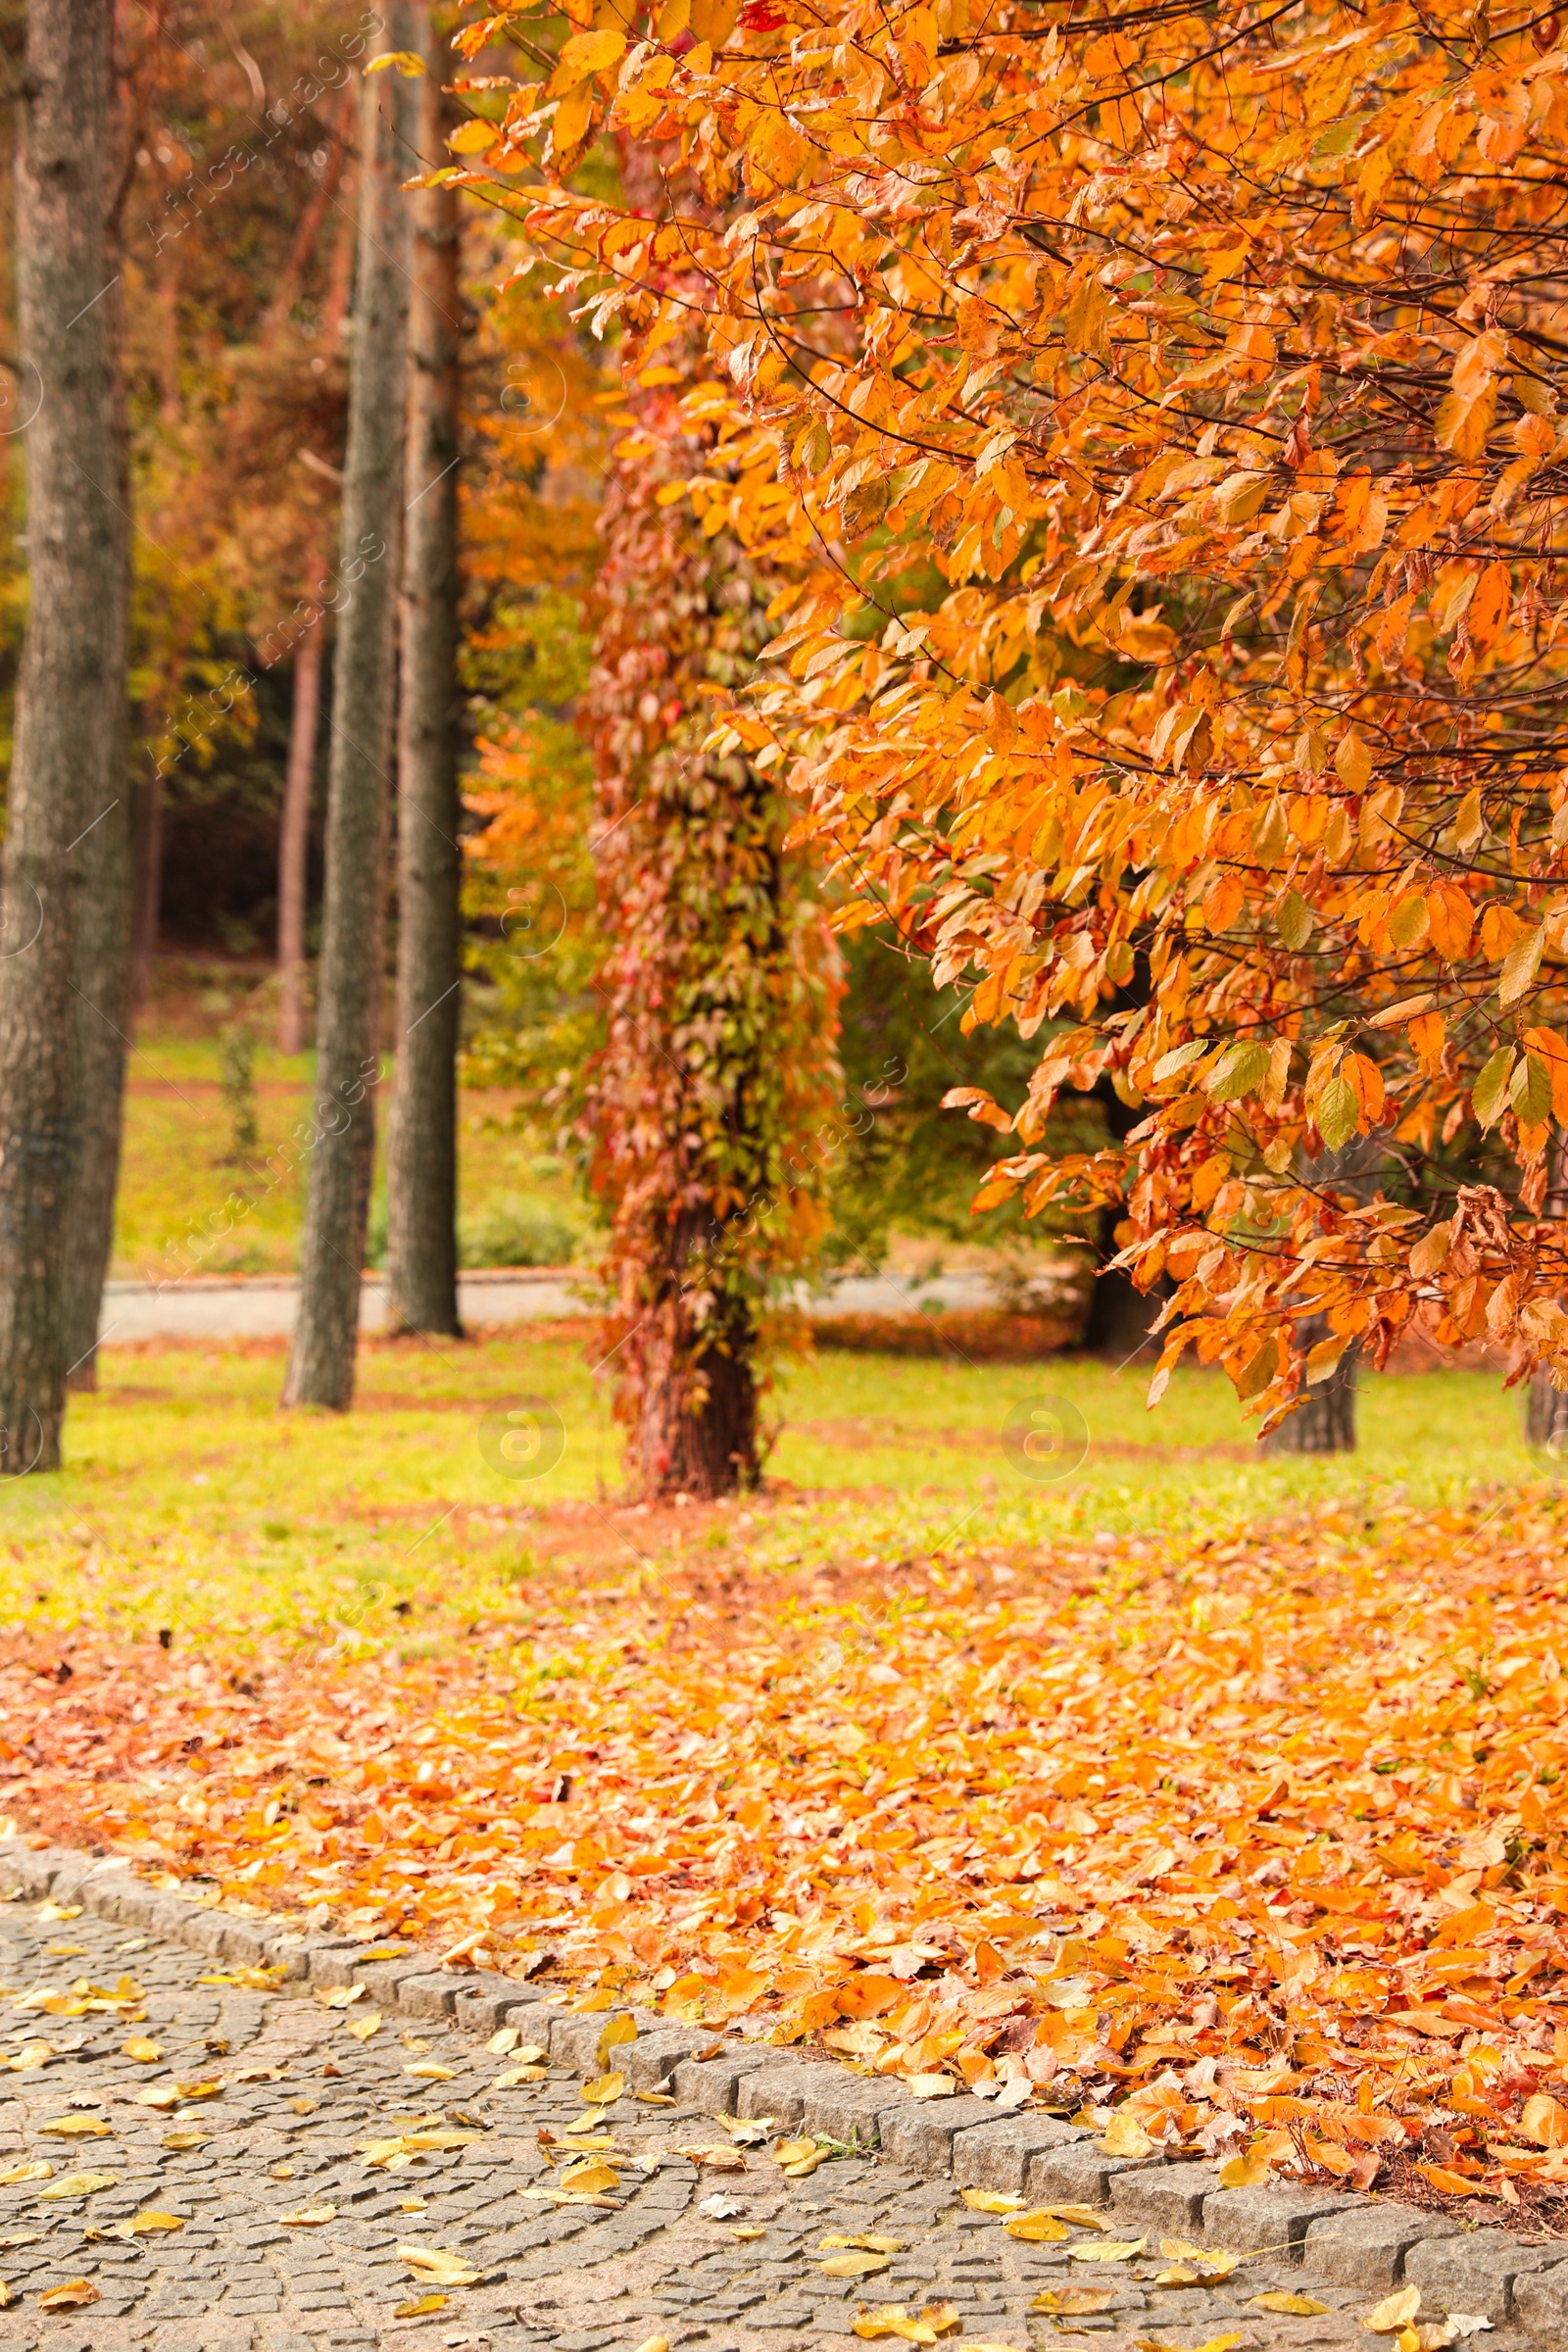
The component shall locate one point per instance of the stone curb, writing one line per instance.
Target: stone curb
(1347, 2241)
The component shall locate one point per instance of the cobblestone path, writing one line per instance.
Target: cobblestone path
(239, 2113)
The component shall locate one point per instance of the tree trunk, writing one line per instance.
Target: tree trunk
(1547, 1416)
(105, 915)
(421, 1158)
(350, 979)
(295, 840)
(1121, 1318)
(68, 698)
(1324, 1422)
(698, 1430)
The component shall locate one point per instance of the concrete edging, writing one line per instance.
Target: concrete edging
(1347, 2241)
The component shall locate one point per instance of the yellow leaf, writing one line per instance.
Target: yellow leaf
(145, 2052)
(439, 2264)
(473, 137)
(591, 2177)
(1073, 2302)
(70, 2298)
(1543, 2119)
(991, 2200)
(420, 2307)
(854, 2266)
(866, 2241)
(654, 2343)
(1036, 2229)
(1395, 2312)
(14, 2173)
(76, 2184)
(147, 2224)
(397, 61)
(1298, 2307)
(931, 2086)
(1125, 2135)
(361, 2028)
(1109, 2249)
(180, 2141)
(200, 2090)
(619, 2030)
(606, 2091)
(339, 1996)
(76, 2126)
(309, 2216)
(428, 2070)
(1244, 2172)
(526, 2073)
(157, 2094)
(584, 54)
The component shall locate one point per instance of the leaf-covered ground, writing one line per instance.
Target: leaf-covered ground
(1247, 1827)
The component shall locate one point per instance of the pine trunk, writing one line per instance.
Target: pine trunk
(295, 840)
(350, 983)
(421, 1158)
(70, 691)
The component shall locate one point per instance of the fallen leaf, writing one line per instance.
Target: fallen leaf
(991, 2200)
(438, 2263)
(654, 2098)
(654, 2343)
(420, 2307)
(718, 2206)
(866, 2243)
(209, 2087)
(14, 2173)
(77, 2185)
(70, 2297)
(429, 2070)
(31, 2056)
(77, 2126)
(1073, 2302)
(1125, 2135)
(605, 2090)
(303, 2106)
(145, 2052)
(1451, 2183)
(1036, 2229)
(309, 2216)
(591, 2178)
(854, 2266)
(157, 2094)
(519, 2073)
(339, 1996)
(1109, 2249)
(381, 1951)
(619, 2030)
(923, 2327)
(181, 2142)
(1299, 2307)
(931, 2086)
(1244, 2172)
(1395, 2312)
(744, 2238)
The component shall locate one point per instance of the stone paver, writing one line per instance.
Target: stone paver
(296, 2091)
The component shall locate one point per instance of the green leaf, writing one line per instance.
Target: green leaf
(1519, 968)
(1293, 920)
(1489, 1096)
(1239, 1070)
(1337, 1112)
(1530, 1091)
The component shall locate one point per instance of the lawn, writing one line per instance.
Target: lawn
(1080, 1782)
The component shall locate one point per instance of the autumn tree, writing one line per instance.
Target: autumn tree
(1213, 359)
(720, 989)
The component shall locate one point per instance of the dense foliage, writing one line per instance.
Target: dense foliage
(1208, 355)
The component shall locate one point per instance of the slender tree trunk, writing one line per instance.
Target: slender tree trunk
(68, 695)
(350, 980)
(1546, 1415)
(295, 841)
(106, 914)
(1324, 1422)
(423, 1150)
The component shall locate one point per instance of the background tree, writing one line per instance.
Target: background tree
(351, 984)
(70, 696)
(422, 1146)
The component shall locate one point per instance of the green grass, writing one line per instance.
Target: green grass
(189, 1498)
(182, 1175)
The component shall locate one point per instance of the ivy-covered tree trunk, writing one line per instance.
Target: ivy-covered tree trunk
(350, 978)
(70, 693)
(720, 991)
